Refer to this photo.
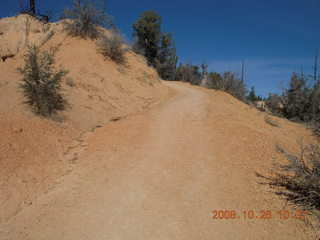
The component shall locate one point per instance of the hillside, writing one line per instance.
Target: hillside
(160, 174)
(35, 152)
(134, 157)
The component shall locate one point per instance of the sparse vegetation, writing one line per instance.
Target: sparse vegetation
(300, 102)
(84, 19)
(231, 84)
(299, 180)
(227, 81)
(252, 97)
(275, 104)
(112, 45)
(273, 122)
(41, 83)
(188, 73)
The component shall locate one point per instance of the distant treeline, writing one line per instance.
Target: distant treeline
(301, 100)
(160, 51)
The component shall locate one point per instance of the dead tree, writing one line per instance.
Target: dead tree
(315, 83)
(242, 72)
(204, 80)
(44, 18)
(32, 7)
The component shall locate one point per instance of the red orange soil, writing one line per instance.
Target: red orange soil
(159, 175)
(177, 153)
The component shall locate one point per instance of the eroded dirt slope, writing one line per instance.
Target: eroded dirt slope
(160, 174)
(35, 153)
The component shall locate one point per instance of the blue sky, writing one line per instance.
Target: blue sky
(273, 37)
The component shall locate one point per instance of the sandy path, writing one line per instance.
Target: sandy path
(155, 175)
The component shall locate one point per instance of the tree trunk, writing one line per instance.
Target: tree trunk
(32, 7)
(315, 83)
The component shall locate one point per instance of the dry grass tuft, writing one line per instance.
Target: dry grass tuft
(112, 46)
(273, 122)
(298, 180)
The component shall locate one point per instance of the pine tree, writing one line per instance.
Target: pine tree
(252, 95)
(167, 58)
(298, 99)
(147, 31)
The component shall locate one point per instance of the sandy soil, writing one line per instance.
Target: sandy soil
(176, 153)
(159, 174)
(35, 153)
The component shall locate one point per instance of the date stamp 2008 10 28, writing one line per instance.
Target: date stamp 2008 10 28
(261, 214)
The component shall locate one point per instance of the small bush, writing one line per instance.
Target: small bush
(275, 104)
(112, 45)
(272, 122)
(299, 180)
(229, 83)
(85, 19)
(40, 83)
(188, 73)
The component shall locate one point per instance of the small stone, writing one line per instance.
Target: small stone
(16, 130)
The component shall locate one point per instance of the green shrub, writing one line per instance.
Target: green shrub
(229, 83)
(85, 19)
(215, 81)
(41, 83)
(112, 45)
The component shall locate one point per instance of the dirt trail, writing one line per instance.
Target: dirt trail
(159, 174)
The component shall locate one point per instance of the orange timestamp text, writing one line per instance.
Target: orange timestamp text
(260, 214)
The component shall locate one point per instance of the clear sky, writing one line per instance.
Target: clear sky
(273, 37)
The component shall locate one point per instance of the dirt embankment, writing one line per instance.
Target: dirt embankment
(161, 173)
(36, 152)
